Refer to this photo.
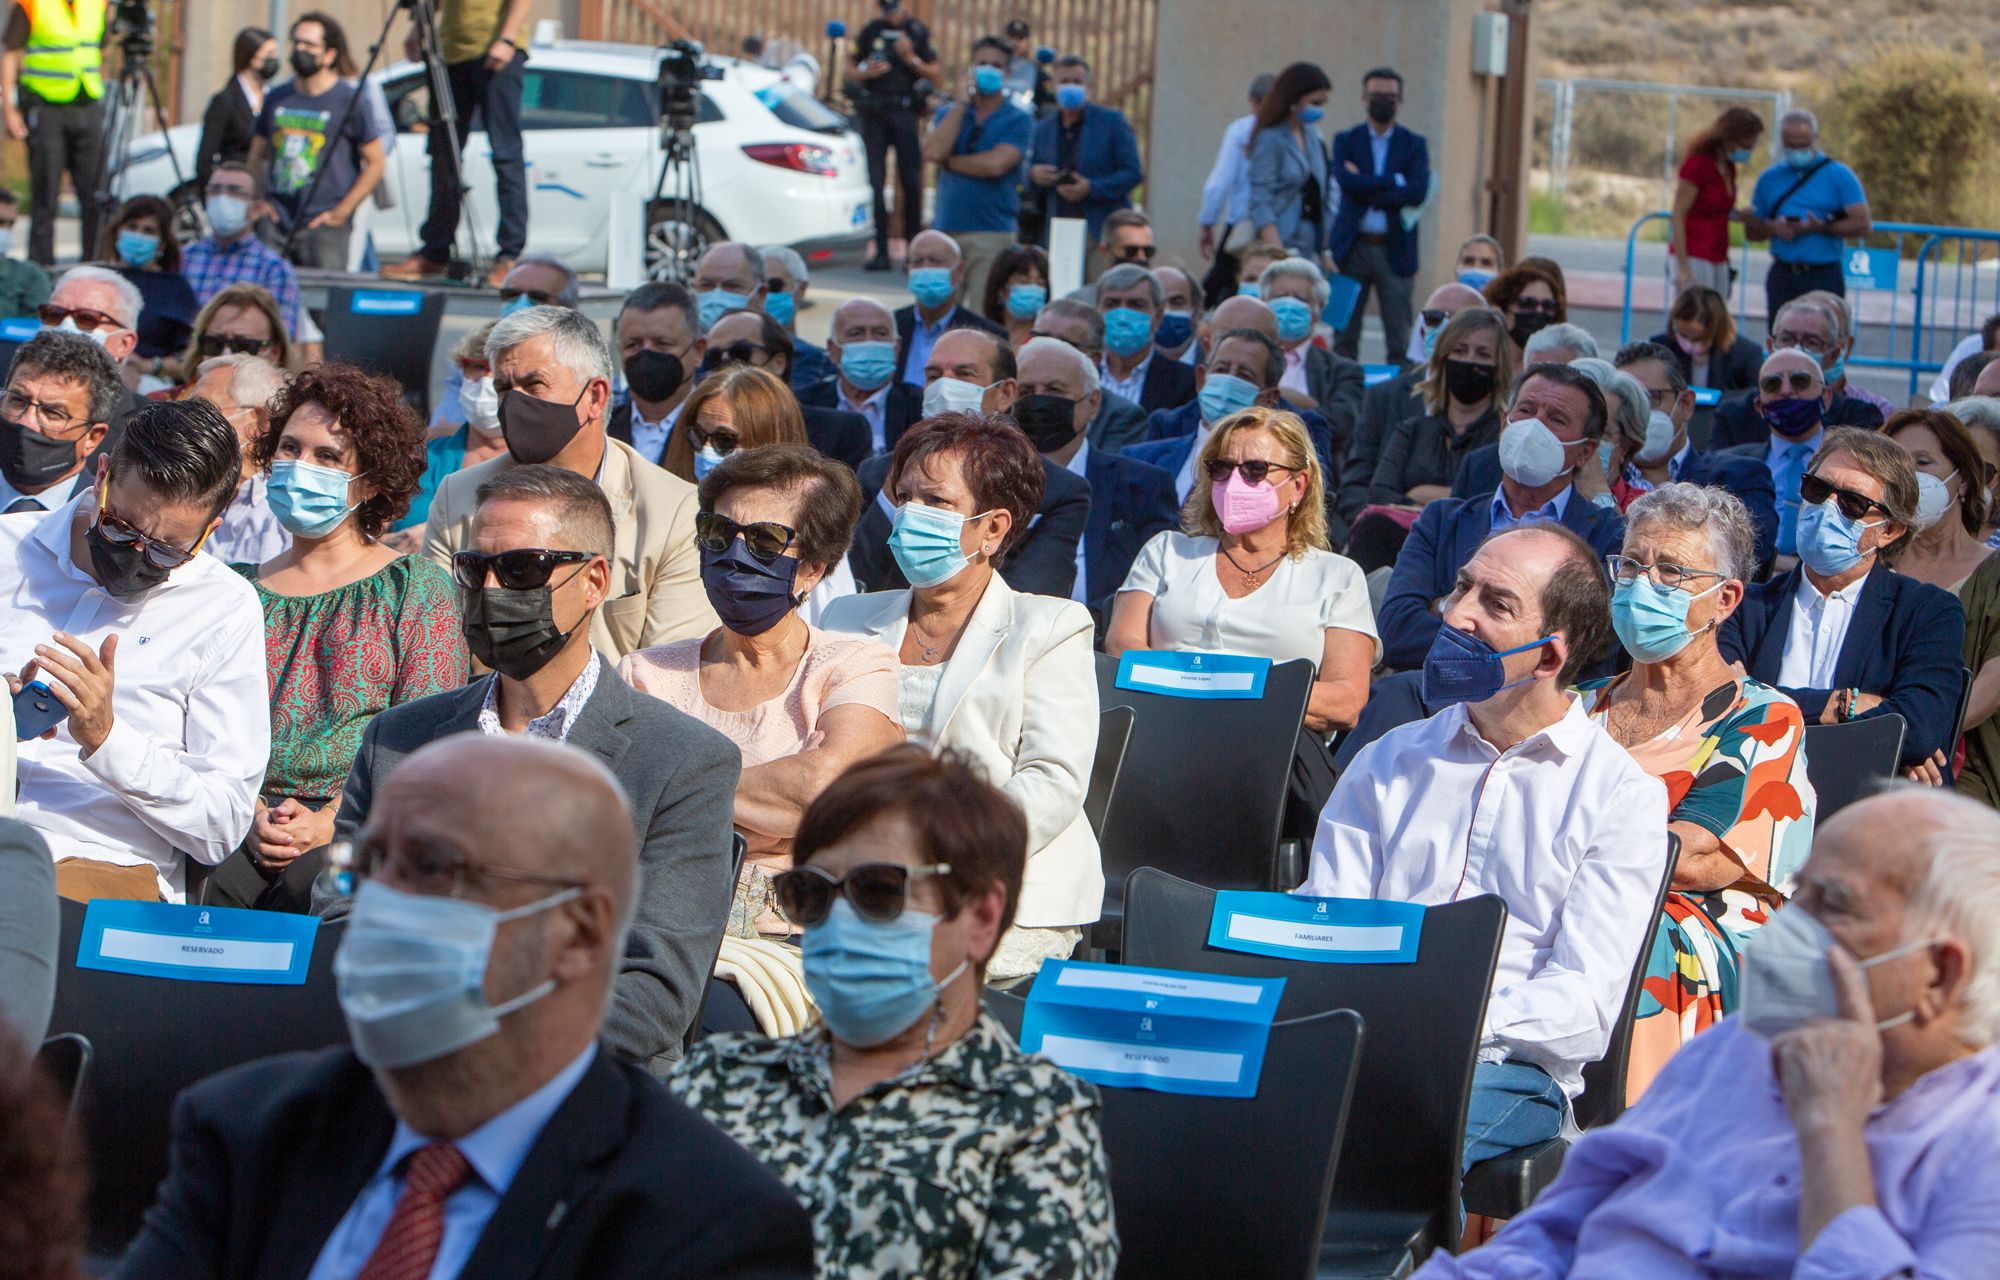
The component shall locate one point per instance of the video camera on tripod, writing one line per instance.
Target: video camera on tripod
(681, 73)
(677, 227)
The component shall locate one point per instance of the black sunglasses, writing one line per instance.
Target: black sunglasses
(540, 297)
(1814, 490)
(1137, 252)
(877, 890)
(767, 539)
(1254, 469)
(776, 284)
(215, 344)
(1798, 381)
(1433, 317)
(725, 442)
(522, 569)
(744, 352)
(1544, 306)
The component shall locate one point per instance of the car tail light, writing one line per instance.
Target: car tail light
(801, 157)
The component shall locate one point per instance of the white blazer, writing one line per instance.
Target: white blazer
(1018, 698)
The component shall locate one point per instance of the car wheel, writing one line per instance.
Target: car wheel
(675, 242)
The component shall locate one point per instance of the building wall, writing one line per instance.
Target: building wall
(1208, 54)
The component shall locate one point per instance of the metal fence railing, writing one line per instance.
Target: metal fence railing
(1915, 290)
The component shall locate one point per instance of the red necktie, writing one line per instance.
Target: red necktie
(409, 1244)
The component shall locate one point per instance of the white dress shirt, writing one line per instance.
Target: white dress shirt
(1286, 617)
(872, 408)
(1130, 387)
(495, 1151)
(1225, 197)
(650, 438)
(1818, 629)
(48, 499)
(191, 710)
(1565, 827)
(1375, 222)
(249, 532)
(1076, 466)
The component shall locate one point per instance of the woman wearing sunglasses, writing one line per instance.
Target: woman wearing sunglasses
(1251, 572)
(352, 627)
(1004, 677)
(1531, 298)
(973, 1158)
(735, 406)
(240, 318)
(799, 703)
(1729, 749)
(139, 244)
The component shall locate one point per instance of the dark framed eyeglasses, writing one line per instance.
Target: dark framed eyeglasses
(878, 891)
(742, 352)
(1803, 341)
(1814, 490)
(1664, 574)
(522, 569)
(161, 555)
(1798, 382)
(1434, 317)
(17, 405)
(1137, 252)
(723, 442)
(767, 539)
(1254, 470)
(540, 297)
(428, 866)
(1663, 398)
(86, 319)
(1537, 306)
(216, 344)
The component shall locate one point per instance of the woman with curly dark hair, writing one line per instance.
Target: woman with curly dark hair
(1017, 288)
(351, 626)
(42, 1173)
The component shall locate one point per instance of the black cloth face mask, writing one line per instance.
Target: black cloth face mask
(514, 631)
(536, 429)
(124, 572)
(1049, 422)
(31, 460)
(1466, 382)
(654, 375)
(1527, 324)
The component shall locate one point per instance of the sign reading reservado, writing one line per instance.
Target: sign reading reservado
(195, 943)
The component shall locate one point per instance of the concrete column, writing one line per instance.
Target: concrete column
(1207, 55)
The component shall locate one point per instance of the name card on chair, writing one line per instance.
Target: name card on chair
(1160, 1029)
(1322, 930)
(1193, 675)
(195, 943)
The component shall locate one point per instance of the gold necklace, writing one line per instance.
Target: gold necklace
(1251, 577)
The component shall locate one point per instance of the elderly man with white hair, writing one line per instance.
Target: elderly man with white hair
(103, 306)
(1315, 377)
(1805, 205)
(1559, 344)
(786, 281)
(1843, 1124)
(552, 371)
(242, 388)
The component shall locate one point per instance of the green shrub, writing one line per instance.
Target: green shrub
(1919, 124)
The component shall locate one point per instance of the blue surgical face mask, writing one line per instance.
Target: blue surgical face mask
(781, 307)
(137, 249)
(748, 595)
(1651, 621)
(1310, 114)
(310, 501)
(712, 304)
(1475, 277)
(1461, 667)
(1250, 289)
(988, 80)
(1836, 371)
(1176, 329)
(521, 303)
(1071, 97)
(868, 364)
(706, 459)
(1740, 155)
(1127, 330)
(1223, 394)
(227, 215)
(1830, 543)
(1295, 319)
(872, 978)
(1025, 301)
(928, 543)
(932, 286)
(1802, 157)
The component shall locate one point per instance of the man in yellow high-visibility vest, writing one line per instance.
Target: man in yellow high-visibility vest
(52, 92)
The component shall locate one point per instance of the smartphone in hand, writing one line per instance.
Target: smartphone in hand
(36, 711)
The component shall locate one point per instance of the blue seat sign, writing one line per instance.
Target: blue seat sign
(386, 302)
(197, 944)
(1159, 1029)
(1321, 930)
(1193, 675)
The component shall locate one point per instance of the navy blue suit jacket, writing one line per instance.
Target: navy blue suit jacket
(1130, 501)
(1178, 426)
(1746, 477)
(961, 317)
(903, 409)
(1169, 384)
(1440, 543)
(1904, 643)
(1107, 153)
(1738, 422)
(1409, 157)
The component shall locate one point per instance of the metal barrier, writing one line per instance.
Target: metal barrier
(1956, 285)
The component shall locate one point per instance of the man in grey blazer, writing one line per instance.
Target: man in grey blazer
(540, 542)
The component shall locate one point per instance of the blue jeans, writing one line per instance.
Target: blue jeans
(1513, 1104)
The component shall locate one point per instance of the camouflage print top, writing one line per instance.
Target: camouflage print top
(983, 1162)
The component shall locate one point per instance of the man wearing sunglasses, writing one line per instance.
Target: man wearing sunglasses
(553, 373)
(1803, 324)
(1085, 155)
(786, 281)
(1127, 236)
(756, 338)
(1790, 402)
(104, 307)
(1842, 634)
(156, 654)
(534, 575)
(61, 392)
(472, 1128)
(937, 282)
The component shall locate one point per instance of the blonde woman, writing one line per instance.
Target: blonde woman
(241, 318)
(1252, 572)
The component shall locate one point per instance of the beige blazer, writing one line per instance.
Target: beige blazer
(656, 591)
(1018, 698)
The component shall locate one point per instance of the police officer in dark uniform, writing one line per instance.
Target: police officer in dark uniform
(891, 68)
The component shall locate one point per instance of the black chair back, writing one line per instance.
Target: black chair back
(1202, 791)
(1399, 1168)
(65, 1060)
(152, 1038)
(1208, 1187)
(1844, 761)
(739, 848)
(387, 331)
(1603, 1096)
(1114, 734)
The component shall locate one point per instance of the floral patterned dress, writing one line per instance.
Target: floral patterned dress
(340, 657)
(1734, 766)
(983, 1163)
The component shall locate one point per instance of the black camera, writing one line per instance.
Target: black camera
(133, 25)
(681, 74)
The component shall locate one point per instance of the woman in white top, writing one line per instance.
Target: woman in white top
(1004, 678)
(1252, 573)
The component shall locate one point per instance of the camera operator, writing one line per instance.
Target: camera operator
(488, 70)
(891, 69)
(52, 84)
